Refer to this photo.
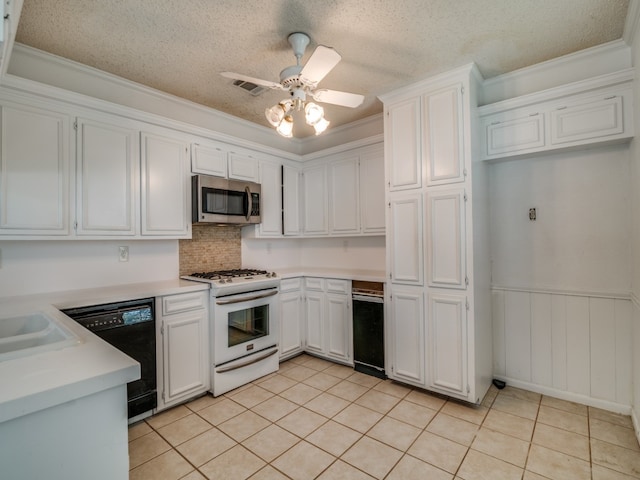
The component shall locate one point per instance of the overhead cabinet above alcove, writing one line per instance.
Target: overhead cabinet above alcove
(591, 112)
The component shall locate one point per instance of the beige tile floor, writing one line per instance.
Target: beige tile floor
(316, 419)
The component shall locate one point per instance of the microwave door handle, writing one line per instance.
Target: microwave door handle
(247, 192)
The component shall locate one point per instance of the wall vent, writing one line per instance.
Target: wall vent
(252, 88)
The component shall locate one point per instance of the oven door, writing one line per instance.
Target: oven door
(244, 324)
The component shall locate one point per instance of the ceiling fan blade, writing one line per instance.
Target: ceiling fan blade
(321, 62)
(335, 97)
(257, 81)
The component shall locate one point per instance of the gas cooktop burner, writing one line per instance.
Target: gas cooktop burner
(227, 282)
(241, 272)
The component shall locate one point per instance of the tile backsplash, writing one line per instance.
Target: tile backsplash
(211, 248)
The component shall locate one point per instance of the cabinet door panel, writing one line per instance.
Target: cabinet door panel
(290, 323)
(407, 335)
(291, 197)
(402, 145)
(184, 368)
(445, 238)
(345, 204)
(443, 136)
(447, 340)
(165, 186)
(108, 165)
(242, 167)
(406, 240)
(315, 200)
(338, 322)
(208, 160)
(592, 119)
(514, 135)
(34, 175)
(372, 192)
(270, 200)
(314, 306)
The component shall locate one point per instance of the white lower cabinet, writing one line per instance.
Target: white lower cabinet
(406, 336)
(447, 343)
(328, 318)
(182, 323)
(291, 318)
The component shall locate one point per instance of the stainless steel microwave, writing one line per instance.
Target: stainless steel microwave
(222, 201)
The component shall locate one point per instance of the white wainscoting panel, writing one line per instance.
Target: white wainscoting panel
(573, 346)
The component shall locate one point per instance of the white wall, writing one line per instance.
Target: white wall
(632, 29)
(355, 253)
(37, 266)
(562, 318)
(581, 238)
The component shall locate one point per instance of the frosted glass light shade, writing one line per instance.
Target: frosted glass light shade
(285, 128)
(313, 113)
(321, 126)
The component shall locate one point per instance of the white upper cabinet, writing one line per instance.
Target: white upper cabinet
(270, 200)
(243, 167)
(35, 174)
(402, 144)
(221, 160)
(446, 238)
(314, 187)
(443, 136)
(344, 200)
(372, 191)
(208, 160)
(291, 198)
(165, 185)
(518, 133)
(108, 163)
(590, 119)
(559, 118)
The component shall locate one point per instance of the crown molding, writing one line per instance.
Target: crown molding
(632, 22)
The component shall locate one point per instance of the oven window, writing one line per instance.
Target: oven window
(248, 324)
(223, 202)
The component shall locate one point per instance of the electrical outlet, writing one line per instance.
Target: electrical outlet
(123, 254)
(345, 245)
(532, 214)
(268, 248)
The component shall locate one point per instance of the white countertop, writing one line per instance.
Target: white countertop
(42, 380)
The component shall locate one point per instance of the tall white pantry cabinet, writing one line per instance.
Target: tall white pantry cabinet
(438, 330)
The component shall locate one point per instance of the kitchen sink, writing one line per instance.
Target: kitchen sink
(31, 333)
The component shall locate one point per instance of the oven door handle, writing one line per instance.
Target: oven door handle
(250, 361)
(246, 299)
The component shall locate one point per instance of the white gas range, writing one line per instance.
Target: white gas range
(243, 325)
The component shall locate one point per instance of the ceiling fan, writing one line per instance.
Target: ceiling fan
(300, 81)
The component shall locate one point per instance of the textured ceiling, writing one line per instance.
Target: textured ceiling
(180, 46)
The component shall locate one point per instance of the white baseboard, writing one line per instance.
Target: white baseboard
(636, 424)
(571, 397)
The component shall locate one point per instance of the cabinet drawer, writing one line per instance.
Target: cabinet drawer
(291, 284)
(313, 283)
(183, 302)
(338, 286)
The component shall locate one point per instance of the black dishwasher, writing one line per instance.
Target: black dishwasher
(131, 328)
(368, 327)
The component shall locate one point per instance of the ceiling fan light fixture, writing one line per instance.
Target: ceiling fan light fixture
(313, 113)
(276, 113)
(321, 126)
(285, 128)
